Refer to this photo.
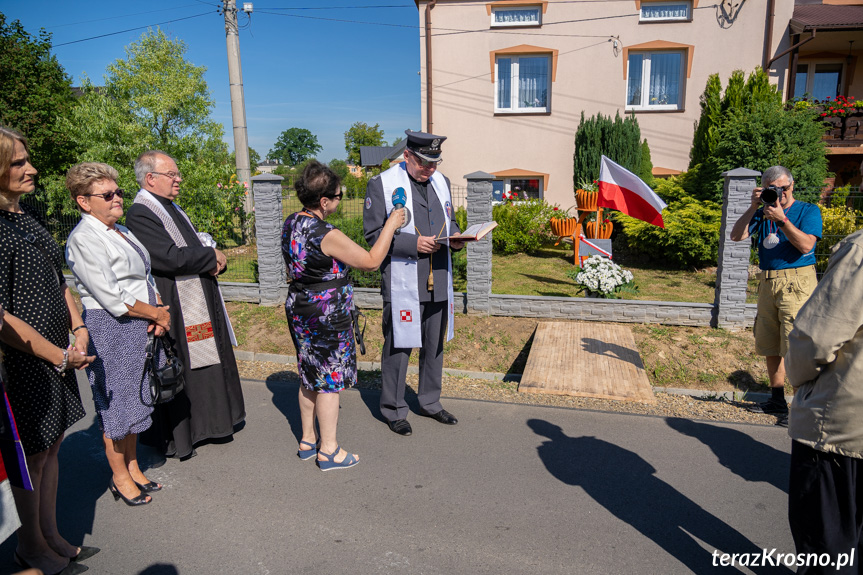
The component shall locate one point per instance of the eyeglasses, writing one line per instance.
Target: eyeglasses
(108, 196)
(426, 163)
(783, 188)
(171, 175)
(336, 197)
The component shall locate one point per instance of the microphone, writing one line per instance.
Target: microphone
(400, 198)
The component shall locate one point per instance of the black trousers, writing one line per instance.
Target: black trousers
(825, 508)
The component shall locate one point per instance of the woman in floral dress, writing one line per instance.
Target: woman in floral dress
(317, 256)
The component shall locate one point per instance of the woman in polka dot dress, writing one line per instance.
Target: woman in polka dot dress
(121, 305)
(44, 396)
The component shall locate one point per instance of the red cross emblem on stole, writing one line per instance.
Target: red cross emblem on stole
(405, 315)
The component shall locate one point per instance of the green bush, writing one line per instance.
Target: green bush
(618, 139)
(522, 227)
(838, 222)
(690, 237)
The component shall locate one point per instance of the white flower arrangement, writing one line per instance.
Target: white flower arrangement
(602, 277)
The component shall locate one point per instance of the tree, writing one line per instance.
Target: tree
(155, 99)
(36, 93)
(295, 146)
(361, 134)
(618, 139)
(340, 167)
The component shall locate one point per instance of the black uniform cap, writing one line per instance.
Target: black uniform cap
(426, 146)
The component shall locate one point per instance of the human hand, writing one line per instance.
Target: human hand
(78, 360)
(756, 197)
(427, 245)
(396, 218)
(774, 213)
(456, 244)
(163, 318)
(159, 330)
(82, 341)
(221, 263)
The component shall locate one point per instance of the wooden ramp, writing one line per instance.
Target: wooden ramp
(588, 360)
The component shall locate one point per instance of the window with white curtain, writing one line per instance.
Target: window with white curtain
(655, 80)
(522, 84)
(820, 80)
(517, 16)
(662, 11)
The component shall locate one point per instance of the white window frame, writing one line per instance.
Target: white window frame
(537, 8)
(810, 76)
(645, 82)
(514, 99)
(687, 18)
(507, 186)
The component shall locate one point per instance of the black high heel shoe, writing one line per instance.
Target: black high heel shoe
(70, 569)
(149, 487)
(141, 499)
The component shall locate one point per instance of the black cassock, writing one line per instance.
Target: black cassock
(212, 404)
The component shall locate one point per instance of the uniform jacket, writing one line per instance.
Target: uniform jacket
(825, 357)
(428, 217)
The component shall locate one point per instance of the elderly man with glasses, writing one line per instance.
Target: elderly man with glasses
(185, 264)
(786, 231)
(416, 276)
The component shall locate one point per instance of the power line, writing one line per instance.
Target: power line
(131, 29)
(121, 16)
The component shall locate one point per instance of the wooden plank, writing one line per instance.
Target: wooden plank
(586, 360)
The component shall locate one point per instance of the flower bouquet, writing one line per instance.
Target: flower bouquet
(600, 277)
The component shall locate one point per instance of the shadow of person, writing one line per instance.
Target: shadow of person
(285, 387)
(599, 347)
(160, 569)
(626, 485)
(739, 453)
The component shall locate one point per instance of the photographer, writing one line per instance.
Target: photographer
(786, 231)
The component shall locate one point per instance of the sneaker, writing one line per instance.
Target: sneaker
(782, 420)
(770, 407)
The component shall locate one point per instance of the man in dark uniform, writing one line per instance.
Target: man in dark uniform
(416, 277)
(185, 264)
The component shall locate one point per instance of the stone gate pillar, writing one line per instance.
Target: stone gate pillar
(479, 253)
(267, 197)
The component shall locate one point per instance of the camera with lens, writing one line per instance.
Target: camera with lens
(770, 194)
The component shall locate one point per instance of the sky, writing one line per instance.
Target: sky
(315, 64)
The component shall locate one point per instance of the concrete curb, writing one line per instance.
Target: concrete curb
(516, 377)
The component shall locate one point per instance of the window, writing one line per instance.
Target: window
(516, 16)
(522, 84)
(820, 81)
(665, 11)
(655, 81)
(521, 189)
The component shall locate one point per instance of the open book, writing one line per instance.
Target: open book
(472, 234)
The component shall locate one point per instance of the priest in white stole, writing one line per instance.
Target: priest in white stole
(416, 277)
(185, 265)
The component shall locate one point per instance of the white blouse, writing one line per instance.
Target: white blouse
(109, 273)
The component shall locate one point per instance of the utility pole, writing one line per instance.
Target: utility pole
(238, 104)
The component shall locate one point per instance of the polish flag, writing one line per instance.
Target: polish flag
(625, 192)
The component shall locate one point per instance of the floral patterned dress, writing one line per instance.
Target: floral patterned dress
(318, 307)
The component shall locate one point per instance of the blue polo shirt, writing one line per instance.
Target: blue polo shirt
(805, 217)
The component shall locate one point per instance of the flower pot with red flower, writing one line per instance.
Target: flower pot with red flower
(562, 224)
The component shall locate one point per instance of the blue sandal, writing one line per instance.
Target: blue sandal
(308, 453)
(349, 461)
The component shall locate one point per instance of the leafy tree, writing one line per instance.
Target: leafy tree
(749, 127)
(254, 157)
(155, 99)
(340, 167)
(36, 93)
(646, 172)
(295, 146)
(618, 139)
(361, 134)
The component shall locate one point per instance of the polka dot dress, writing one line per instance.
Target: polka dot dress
(45, 403)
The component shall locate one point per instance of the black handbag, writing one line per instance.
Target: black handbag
(356, 314)
(163, 382)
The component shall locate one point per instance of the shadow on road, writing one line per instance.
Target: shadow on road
(626, 485)
(738, 452)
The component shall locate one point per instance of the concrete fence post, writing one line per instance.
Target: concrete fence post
(479, 194)
(267, 196)
(732, 272)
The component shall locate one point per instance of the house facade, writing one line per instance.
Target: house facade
(507, 81)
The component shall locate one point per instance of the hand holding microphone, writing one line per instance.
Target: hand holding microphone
(399, 199)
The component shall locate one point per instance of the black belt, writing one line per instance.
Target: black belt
(320, 286)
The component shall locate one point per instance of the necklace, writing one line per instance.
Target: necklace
(772, 238)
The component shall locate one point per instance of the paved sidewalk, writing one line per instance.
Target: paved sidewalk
(511, 489)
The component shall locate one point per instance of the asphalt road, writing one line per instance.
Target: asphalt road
(509, 490)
